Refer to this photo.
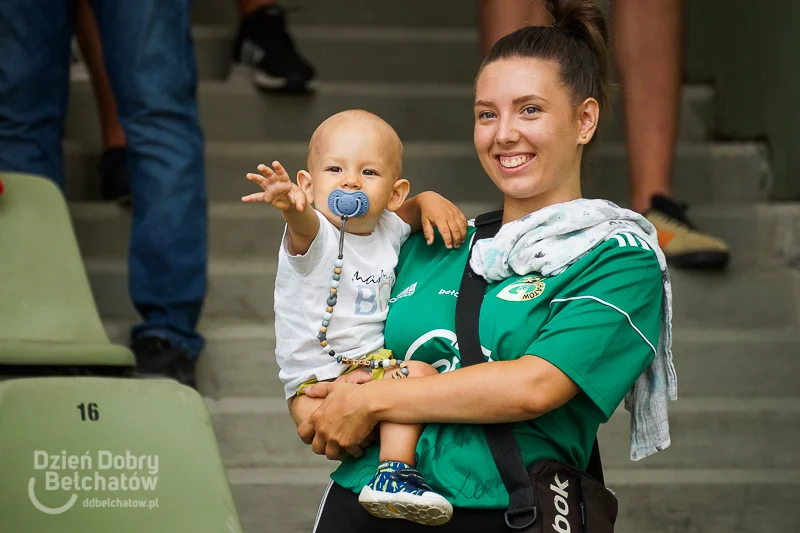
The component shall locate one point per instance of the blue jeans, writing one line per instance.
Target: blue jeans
(150, 59)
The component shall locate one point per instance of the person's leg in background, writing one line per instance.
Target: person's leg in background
(647, 40)
(264, 52)
(647, 36)
(113, 163)
(150, 59)
(34, 85)
(498, 18)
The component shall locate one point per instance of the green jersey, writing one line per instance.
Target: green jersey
(598, 322)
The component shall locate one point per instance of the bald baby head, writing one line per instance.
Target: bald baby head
(357, 125)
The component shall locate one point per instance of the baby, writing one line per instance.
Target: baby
(351, 153)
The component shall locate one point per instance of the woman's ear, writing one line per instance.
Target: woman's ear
(589, 116)
(399, 194)
(306, 185)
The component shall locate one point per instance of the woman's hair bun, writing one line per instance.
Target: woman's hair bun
(582, 19)
(577, 41)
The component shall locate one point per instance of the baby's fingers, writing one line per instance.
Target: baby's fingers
(266, 172)
(258, 180)
(427, 230)
(457, 231)
(463, 225)
(255, 197)
(280, 171)
(299, 198)
(444, 231)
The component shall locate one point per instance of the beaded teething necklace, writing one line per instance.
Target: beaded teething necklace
(346, 206)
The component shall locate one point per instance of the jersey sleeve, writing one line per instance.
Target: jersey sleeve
(603, 329)
(317, 253)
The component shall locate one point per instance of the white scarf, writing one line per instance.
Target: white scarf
(552, 238)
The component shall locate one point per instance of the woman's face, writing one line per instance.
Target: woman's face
(527, 131)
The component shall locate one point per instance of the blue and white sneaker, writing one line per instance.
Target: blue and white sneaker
(398, 491)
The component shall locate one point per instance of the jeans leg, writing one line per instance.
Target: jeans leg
(150, 57)
(34, 84)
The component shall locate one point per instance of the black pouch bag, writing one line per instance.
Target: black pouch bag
(548, 495)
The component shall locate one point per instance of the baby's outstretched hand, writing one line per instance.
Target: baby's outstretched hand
(279, 191)
(438, 211)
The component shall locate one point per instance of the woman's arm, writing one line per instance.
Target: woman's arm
(501, 391)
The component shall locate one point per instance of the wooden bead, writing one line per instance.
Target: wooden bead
(333, 291)
(329, 309)
(324, 343)
(337, 270)
(323, 329)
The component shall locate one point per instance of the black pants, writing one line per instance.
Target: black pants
(340, 512)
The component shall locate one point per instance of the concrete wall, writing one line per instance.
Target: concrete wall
(751, 51)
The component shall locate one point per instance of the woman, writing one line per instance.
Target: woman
(566, 345)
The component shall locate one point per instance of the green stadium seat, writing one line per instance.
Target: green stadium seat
(47, 312)
(93, 454)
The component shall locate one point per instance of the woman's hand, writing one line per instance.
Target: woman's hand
(437, 211)
(342, 423)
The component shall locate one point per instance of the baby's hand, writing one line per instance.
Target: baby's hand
(279, 191)
(358, 376)
(438, 211)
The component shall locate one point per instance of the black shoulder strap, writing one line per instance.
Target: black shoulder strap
(505, 452)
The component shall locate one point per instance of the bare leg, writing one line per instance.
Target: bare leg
(248, 6)
(399, 441)
(301, 407)
(647, 41)
(498, 18)
(92, 51)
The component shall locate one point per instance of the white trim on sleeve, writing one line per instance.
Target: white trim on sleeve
(612, 306)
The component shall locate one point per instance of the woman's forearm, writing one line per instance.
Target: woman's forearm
(501, 391)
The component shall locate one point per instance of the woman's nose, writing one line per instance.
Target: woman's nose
(506, 132)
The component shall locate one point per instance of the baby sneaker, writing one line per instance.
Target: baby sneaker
(398, 491)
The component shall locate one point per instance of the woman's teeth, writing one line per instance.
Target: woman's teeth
(517, 160)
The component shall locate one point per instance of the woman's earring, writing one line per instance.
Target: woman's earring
(584, 135)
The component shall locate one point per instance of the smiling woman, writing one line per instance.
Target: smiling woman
(570, 318)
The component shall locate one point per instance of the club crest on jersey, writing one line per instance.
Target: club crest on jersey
(522, 290)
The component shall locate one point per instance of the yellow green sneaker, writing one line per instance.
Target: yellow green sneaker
(398, 491)
(683, 244)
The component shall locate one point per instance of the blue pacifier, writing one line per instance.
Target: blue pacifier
(348, 204)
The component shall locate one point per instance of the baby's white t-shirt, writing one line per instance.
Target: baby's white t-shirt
(302, 288)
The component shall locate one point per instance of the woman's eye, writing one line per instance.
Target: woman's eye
(531, 110)
(485, 115)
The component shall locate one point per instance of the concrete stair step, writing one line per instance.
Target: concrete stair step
(704, 173)
(761, 234)
(651, 500)
(360, 53)
(236, 111)
(412, 13)
(745, 298)
(239, 361)
(706, 433)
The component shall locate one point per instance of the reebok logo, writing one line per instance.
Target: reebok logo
(408, 291)
(561, 524)
(448, 293)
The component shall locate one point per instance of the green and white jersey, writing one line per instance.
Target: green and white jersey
(598, 322)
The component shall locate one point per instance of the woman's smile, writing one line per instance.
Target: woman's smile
(514, 163)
